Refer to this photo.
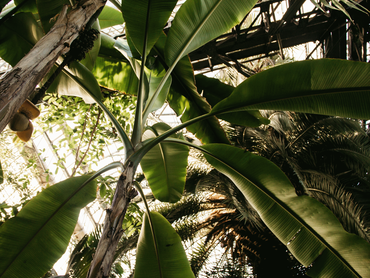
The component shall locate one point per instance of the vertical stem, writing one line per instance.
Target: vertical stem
(112, 232)
(138, 126)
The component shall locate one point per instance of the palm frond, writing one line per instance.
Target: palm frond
(341, 202)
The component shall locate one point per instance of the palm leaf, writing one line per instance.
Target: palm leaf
(111, 67)
(341, 202)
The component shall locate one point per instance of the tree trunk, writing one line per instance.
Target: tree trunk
(21, 81)
(112, 232)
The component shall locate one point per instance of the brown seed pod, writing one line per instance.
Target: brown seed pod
(19, 122)
(29, 109)
(26, 134)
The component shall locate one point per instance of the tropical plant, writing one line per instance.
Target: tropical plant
(324, 157)
(224, 226)
(156, 66)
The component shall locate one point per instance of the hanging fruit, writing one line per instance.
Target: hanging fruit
(21, 123)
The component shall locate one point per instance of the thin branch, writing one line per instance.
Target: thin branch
(88, 147)
(82, 135)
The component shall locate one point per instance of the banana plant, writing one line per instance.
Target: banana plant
(157, 68)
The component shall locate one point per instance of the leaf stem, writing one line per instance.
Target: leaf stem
(88, 147)
(142, 91)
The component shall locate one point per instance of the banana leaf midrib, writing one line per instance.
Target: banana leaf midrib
(197, 29)
(256, 104)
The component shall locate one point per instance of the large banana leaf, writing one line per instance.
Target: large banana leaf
(155, 78)
(110, 17)
(17, 36)
(309, 229)
(172, 261)
(198, 22)
(328, 87)
(27, 5)
(164, 166)
(145, 20)
(185, 100)
(215, 91)
(34, 240)
(115, 75)
(76, 80)
(112, 69)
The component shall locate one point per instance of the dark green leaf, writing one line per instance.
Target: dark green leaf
(310, 230)
(113, 69)
(155, 79)
(185, 100)
(107, 48)
(110, 17)
(27, 5)
(172, 258)
(198, 22)
(115, 75)
(76, 80)
(102, 190)
(145, 20)
(327, 87)
(17, 36)
(215, 91)
(164, 166)
(34, 240)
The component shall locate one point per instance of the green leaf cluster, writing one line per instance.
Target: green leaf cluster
(137, 76)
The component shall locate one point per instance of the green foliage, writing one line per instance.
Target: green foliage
(146, 17)
(164, 166)
(199, 22)
(110, 17)
(185, 100)
(271, 193)
(327, 87)
(161, 254)
(49, 220)
(115, 81)
(21, 30)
